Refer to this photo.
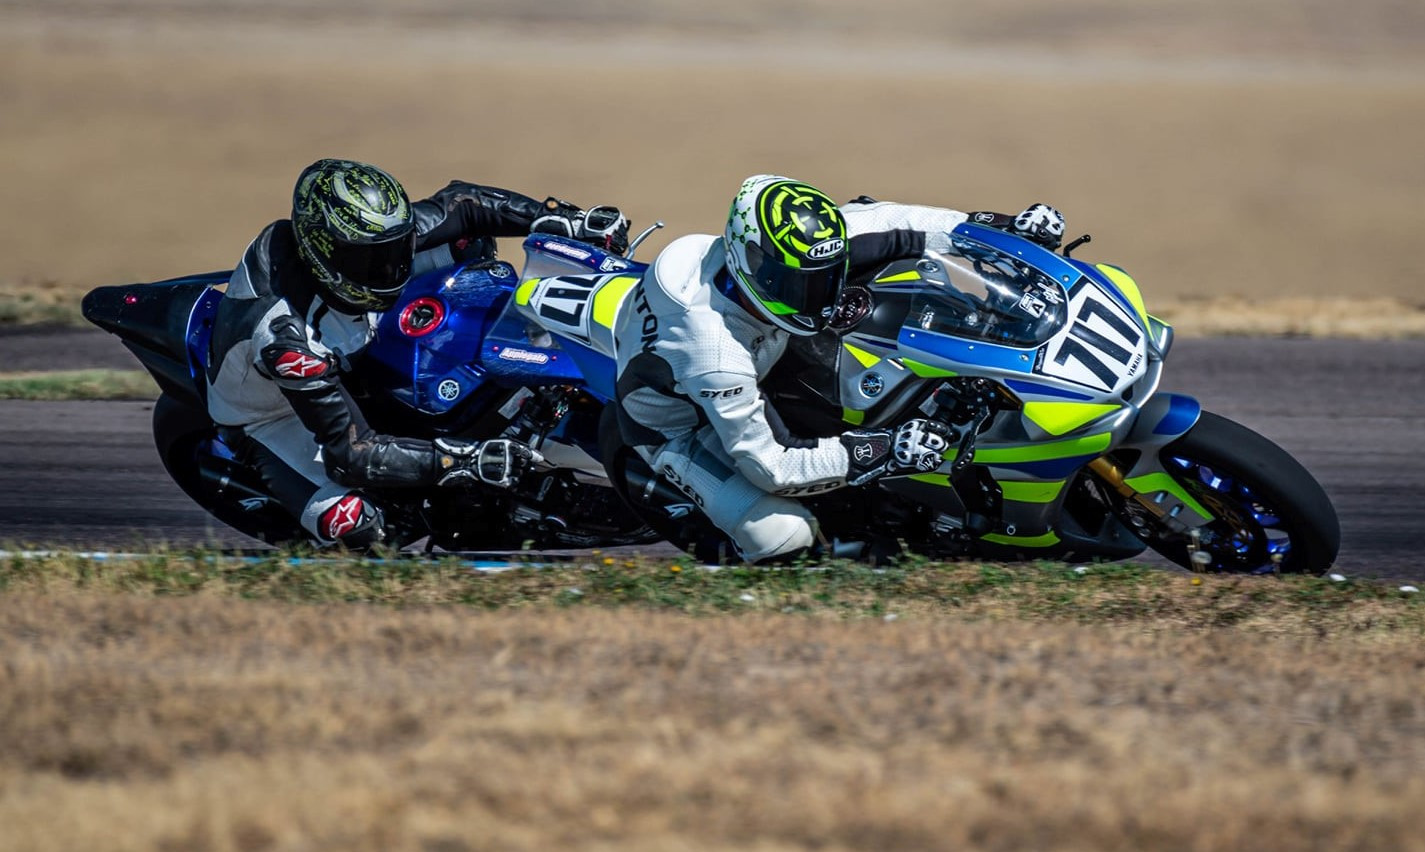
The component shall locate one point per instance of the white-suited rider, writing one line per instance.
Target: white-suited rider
(714, 314)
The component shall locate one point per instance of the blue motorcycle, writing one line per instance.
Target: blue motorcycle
(450, 359)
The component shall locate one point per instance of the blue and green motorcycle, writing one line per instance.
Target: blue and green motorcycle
(1046, 370)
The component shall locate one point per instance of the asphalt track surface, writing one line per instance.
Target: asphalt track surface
(84, 475)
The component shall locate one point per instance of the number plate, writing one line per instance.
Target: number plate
(1103, 348)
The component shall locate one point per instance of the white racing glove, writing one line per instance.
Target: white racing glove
(916, 446)
(499, 462)
(1042, 224)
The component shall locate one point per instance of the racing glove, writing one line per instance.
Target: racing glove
(602, 226)
(1039, 223)
(916, 446)
(499, 462)
(1042, 224)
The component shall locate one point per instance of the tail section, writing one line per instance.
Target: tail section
(153, 321)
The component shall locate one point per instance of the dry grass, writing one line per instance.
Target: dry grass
(41, 302)
(1371, 318)
(1004, 709)
(204, 723)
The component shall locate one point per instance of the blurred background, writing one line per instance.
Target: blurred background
(1242, 158)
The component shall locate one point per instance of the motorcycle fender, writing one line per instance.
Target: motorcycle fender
(1166, 418)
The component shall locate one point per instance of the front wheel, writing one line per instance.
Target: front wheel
(1270, 514)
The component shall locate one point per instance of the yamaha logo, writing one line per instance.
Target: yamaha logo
(448, 390)
(826, 248)
(872, 384)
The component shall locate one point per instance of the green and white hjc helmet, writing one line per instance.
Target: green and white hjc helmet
(787, 251)
(356, 232)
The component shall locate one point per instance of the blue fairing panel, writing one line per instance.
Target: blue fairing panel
(1052, 264)
(590, 258)
(969, 351)
(599, 371)
(1183, 412)
(1107, 285)
(437, 368)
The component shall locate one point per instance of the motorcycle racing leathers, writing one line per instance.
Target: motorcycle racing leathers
(278, 351)
(690, 360)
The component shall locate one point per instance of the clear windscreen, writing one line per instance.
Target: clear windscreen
(985, 294)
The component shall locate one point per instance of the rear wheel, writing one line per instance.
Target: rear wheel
(184, 437)
(1270, 514)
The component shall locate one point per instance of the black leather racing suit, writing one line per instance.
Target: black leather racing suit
(278, 352)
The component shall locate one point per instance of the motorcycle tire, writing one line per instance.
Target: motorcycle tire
(1271, 514)
(180, 433)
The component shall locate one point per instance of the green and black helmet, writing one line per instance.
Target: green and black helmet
(355, 230)
(787, 251)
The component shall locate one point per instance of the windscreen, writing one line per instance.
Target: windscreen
(985, 294)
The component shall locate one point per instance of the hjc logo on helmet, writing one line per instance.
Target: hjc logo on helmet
(826, 248)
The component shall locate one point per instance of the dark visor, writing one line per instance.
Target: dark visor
(810, 292)
(380, 267)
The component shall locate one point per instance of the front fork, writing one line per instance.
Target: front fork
(1147, 483)
(1165, 498)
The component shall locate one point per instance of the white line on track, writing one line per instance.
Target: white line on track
(485, 566)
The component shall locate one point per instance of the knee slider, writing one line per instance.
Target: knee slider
(774, 527)
(353, 522)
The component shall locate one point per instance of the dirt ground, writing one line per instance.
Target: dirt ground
(1260, 150)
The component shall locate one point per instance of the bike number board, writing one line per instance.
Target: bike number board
(562, 303)
(1102, 348)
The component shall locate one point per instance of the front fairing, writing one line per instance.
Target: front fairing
(1044, 326)
(1068, 341)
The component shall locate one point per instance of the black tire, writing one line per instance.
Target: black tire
(181, 434)
(1272, 514)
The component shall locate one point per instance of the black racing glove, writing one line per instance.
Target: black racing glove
(916, 446)
(1039, 223)
(602, 226)
(499, 462)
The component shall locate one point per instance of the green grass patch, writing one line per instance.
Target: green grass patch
(78, 384)
(1120, 593)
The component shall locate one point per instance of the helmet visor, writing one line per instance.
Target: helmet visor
(802, 296)
(381, 268)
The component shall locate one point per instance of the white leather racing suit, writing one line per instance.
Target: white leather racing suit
(690, 360)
